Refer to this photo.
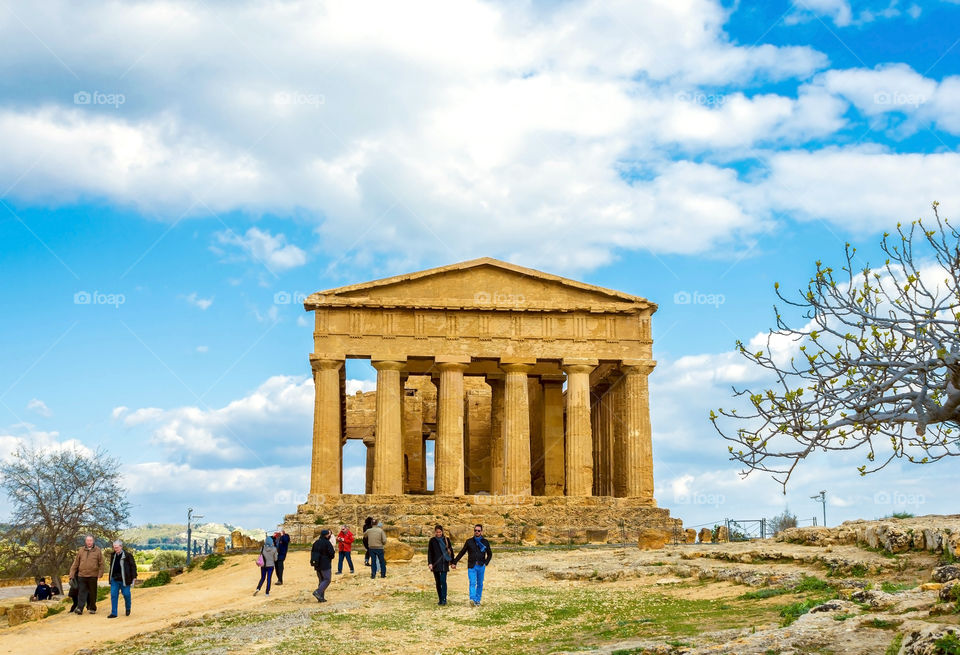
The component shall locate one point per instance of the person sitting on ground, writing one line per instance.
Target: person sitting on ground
(42, 592)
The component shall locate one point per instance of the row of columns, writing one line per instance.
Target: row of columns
(622, 432)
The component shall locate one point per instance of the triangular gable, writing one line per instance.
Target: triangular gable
(480, 283)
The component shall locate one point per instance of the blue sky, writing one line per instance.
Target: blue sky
(191, 170)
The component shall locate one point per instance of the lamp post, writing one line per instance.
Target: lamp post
(190, 518)
(822, 498)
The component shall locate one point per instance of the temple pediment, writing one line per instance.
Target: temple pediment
(480, 284)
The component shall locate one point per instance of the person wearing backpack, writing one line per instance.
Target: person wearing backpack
(321, 559)
(439, 557)
(267, 561)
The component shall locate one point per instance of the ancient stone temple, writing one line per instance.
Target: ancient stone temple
(532, 387)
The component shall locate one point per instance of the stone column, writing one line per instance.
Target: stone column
(603, 441)
(579, 455)
(388, 463)
(619, 440)
(553, 448)
(371, 455)
(535, 396)
(638, 451)
(496, 434)
(325, 461)
(516, 430)
(448, 473)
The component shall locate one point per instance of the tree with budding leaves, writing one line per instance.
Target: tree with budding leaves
(878, 367)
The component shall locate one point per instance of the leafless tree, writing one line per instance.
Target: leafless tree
(877, 366)
(58, 497)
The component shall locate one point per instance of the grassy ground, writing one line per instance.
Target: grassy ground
(518, 620)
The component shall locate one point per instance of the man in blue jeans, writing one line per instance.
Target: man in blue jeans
(478, 556)
(123, 573)
(376, 541)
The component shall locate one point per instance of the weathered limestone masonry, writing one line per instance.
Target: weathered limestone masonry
(474, 357)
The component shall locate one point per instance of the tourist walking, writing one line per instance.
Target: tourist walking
(344, 546)
(439, 558)
(123, 573)
(267, 562)
(478, 556)
(87, 568)
(321, 559)
(282, 541)
(376, 540)
(367, 524)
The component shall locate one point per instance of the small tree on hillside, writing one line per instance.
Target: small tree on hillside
(782, 521)
(57, 498)
(878, 366)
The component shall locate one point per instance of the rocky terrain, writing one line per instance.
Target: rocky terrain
(746, 598)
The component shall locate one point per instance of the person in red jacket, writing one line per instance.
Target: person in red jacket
(344, 544)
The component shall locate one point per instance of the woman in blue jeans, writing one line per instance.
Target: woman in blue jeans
(439, 556)
(122, 573)
(269, 554)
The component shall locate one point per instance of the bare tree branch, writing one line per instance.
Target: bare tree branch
(879, 359)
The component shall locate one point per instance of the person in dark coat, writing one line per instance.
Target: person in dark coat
(42, 592)
(439, 557)
(122, 573)
(367, 524)
(479, 555)
(321, 559)
(282, 542)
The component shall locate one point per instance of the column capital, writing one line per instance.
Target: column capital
(452, 366)
(451, 359)
(516, 365)
(575, 361)
(388, 364)
(578, 368)
(552, 379)
(637, 366)
(325, 362)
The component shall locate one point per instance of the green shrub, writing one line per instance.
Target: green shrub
(948, 644)
(811, 583)
(212, 561)
(894, 587)
(160, 579)
(794, 611)
(169, 559)
(858, 571)
(102, 593)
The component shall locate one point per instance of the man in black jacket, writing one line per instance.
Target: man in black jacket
(478, 556)
(122, 573)
(321, 559)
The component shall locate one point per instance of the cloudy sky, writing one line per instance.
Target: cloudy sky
(175, 176)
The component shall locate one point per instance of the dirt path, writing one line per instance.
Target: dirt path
(191, 595)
